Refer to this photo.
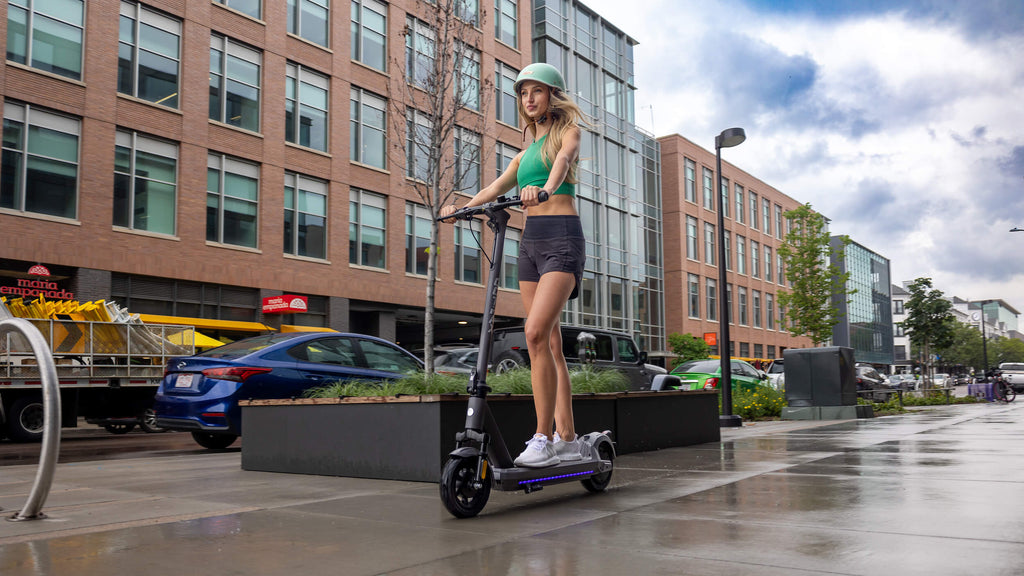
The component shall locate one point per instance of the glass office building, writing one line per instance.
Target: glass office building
(865, 322)
(619, 190)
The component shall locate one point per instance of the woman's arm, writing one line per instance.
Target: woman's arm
(566, 156)
(502, 184)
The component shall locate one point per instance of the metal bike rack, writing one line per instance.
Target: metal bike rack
(51, 417)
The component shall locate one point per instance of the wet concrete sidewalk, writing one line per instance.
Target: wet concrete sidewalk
(936, 492)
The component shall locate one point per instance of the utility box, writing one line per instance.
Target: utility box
(821, 383)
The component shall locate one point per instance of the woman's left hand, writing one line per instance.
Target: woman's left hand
(529, 195)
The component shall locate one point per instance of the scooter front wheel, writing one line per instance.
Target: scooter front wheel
(461, 494)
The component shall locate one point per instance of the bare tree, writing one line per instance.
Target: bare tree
(438, 113)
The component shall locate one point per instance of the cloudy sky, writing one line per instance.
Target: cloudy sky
(901, 121)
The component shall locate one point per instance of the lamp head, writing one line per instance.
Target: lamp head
(730, 137)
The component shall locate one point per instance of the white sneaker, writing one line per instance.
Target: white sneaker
(568, 451)
(538, 454)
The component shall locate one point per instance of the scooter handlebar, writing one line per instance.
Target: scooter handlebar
(500, 203)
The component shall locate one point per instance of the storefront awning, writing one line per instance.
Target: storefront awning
(206, 323)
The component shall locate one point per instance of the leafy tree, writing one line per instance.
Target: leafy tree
(437, 115)
(1006, 350)
(930, 322)
(816, 282)
(687, 347)
(964, 349)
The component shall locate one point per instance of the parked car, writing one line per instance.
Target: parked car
(777, 374)
(902, 381)
(1013, 373)
(610, 350)
(200, 393)
(459, 361)
(942, 380)
(869, 379)
(705, 375)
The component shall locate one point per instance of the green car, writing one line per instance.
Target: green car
(704, 375)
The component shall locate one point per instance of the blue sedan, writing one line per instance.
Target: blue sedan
(200, 393)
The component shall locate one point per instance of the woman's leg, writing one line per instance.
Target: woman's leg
(564, 424)
(544, 301)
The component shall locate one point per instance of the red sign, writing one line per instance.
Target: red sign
(286, 304)
(39, 270)
(711, 338)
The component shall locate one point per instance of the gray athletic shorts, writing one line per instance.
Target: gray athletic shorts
(552, 244)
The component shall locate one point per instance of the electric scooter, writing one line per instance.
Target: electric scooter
(480, 459)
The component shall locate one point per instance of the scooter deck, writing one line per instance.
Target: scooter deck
(529, 479)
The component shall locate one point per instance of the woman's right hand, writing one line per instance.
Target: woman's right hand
(447, 210)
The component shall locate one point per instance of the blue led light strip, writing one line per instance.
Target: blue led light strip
(587, 473)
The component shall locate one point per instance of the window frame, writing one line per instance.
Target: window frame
(302, 184)
(136, 142)
(358, 200)
(296, 76)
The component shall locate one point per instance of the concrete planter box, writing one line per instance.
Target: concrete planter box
(408, 437)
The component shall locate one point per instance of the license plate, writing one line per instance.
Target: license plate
(183, 381)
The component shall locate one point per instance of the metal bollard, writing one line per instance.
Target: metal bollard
(51, 411)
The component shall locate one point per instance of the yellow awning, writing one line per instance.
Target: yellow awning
(293, 328)
(205, 323)
(190, 337)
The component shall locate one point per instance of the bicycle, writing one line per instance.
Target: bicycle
(1002, 390)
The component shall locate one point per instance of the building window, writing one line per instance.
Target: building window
(419, 52)
(693, 282)
(417, 238)
(150, 295)
(756, 298)
(504, 154)
(510, 261)
(505, 98)
(145, 183)
(369, 33)
(47, 35)
(743, 306)
(305, 108)
(468, 11)
(367, 229)
(247, 7)
(755, 259)
(771, 351)
(769, 311)
(900, 330)
(591, 308)
(368, 130)
(148, 55)
(467, 252)
(753, 210)
(506, 21)
(711, 293)
(897, 306)
(417, 145)
(740, 206)
(40, 162)
(782, 317)
(758, 348)
(766, 216)
(709, 190)
(728, 250)
(723, 199)
(468, 76)
(467, 156)
(899, 353)
(234, 83)
(728, 304)
(768, 264)
(744, 349)
(741, 254)
(709, 244)
(691, 181)
(232, 201)
(778, 222)
(309, 19)
(305, 216)
(691, 238)
(780, 277)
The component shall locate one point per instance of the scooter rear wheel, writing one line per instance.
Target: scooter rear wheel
(598, 482)
(460, 493)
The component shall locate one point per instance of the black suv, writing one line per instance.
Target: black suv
(612, 350)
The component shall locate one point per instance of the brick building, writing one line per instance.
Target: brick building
(755, 227)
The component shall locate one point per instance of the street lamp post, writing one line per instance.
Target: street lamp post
(727, 139)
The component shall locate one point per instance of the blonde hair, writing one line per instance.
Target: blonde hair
(564, 115)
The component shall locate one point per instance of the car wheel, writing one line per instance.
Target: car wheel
(147, 422)
(26, 420)
(509, 361)
(214, 441)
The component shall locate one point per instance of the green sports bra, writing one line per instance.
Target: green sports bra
(533, 172)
